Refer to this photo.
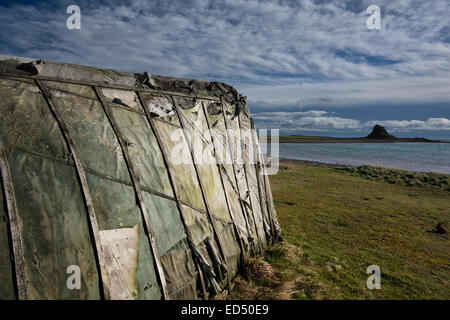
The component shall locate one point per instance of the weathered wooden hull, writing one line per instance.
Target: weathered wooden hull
(92, 182)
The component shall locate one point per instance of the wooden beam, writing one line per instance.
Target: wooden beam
(13, 225)
(98, 249)
(147, 227)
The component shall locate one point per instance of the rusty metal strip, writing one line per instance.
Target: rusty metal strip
(249, 192)
(236, 230)
(202, 188)
(175, 192)
(100, 256)
(106, 85)
(234, 169)
(138, 191)
(14, 225)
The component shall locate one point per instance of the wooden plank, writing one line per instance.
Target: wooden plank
(122, 249)
(249, 195)
(99, 253)
(234, 168)
(98, 174)
(259, 180)
(138, 191)
(174, 189)
(202, 189)
(13, 225)
(236, 230)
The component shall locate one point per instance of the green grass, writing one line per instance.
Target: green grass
(402, 177)
(340, 221)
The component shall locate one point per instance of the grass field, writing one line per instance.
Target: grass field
(337, 222)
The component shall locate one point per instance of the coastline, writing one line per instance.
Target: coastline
(314, 163)
(319, 164)
(318, 139)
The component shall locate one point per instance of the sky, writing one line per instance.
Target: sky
(309, 67)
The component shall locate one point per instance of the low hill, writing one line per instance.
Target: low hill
(380, 132)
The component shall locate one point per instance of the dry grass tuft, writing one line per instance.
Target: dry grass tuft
(256, 269)
(276, 276)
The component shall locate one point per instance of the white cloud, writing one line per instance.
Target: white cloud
(318, 120)
(238, 40)
(294, 54)
(314, 120)
(351, 92)
(407, 125)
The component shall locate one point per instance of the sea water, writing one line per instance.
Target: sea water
(423, 157)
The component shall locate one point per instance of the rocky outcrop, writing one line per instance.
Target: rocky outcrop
(380, 132)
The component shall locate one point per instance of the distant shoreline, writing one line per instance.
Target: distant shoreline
(314, 163)
(318, 139)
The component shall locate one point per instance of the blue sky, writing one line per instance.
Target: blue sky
(306, 66)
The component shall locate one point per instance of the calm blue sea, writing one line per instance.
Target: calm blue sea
(424, 157)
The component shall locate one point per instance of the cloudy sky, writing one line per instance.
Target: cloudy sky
(306, 66)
